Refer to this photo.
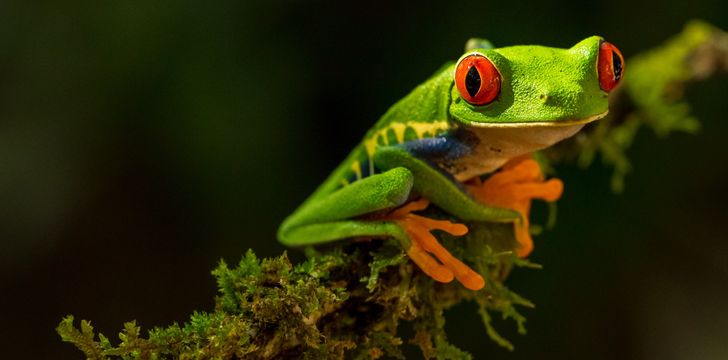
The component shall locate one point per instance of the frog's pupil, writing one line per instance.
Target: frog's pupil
(472, 81)
(617, 65)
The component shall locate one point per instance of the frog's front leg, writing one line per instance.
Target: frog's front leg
(518, 182)
(434, 185)
(329, 217)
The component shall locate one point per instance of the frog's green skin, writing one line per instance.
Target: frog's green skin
(432, 140)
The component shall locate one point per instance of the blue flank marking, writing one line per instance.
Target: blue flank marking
(434, 150)
(364, 172)
(442, 148)
(364, 168)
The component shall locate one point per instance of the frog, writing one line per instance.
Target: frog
(462, 141)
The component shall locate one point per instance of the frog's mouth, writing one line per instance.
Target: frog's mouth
(537, 124)
(499, 143)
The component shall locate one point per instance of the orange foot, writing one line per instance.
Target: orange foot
(513, 187)
(424, 245)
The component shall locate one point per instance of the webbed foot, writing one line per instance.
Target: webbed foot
(513, 187)
(424, 245)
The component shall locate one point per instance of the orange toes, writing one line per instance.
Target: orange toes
(550, 190)
(425, 248)
(553, 189)
(428, 264)
(406, 209)
(513, 187)
(472, 280)
(524, 239)
(465, 275)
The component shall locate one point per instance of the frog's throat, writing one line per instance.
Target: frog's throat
(498, 144)
(528, 124)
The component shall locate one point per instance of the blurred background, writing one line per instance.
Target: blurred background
(143, 141)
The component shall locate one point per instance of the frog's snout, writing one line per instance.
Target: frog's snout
(550, 100)
(558, 96)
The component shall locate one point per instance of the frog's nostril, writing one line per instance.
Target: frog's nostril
(554, 96)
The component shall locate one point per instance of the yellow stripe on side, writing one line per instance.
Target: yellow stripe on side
(420, 128)
(399, 129)
(356, 168)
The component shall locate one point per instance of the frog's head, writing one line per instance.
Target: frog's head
(535, 86)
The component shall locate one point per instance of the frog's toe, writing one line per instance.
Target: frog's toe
(513, 187)
(428, 264)
(425, 248)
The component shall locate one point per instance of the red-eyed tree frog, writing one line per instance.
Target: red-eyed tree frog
(462, 141)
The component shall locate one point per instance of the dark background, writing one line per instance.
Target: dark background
(143, 141)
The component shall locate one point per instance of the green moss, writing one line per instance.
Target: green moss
(350, 300)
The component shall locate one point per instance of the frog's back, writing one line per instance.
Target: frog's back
(423, 113)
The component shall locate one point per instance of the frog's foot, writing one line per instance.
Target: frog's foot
(424, 245)
(513, 187)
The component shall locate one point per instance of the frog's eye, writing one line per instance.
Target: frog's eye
(477, 79)
(610, 66)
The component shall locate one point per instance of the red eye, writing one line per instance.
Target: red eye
(477, 80)
(610, 66)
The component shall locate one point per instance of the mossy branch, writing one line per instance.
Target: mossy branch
(350, 298)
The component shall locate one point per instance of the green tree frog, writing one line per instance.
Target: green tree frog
(462, 141)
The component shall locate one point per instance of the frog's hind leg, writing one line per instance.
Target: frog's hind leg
(333, 217)
(340, 215)
(378, 192)
(374, 228)
(410, 230)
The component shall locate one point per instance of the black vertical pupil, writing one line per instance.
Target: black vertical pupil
(617, 66)
(472, 81)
